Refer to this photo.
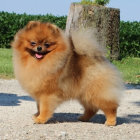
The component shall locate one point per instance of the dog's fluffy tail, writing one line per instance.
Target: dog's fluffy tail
(84, 42)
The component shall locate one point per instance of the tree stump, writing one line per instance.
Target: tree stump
(105, 20)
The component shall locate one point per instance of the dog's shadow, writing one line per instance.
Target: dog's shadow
(98, 118)
(73, 117)
(132, 86)
(10, 99)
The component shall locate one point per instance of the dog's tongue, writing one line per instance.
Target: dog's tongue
(38, 56)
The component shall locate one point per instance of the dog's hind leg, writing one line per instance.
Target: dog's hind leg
(110, 116)
(88, 113)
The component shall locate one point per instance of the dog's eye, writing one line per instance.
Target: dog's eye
(47, 45)
(33, 43)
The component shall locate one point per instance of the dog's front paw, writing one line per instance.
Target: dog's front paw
(36, 114)
(110, 123)
(39, 120)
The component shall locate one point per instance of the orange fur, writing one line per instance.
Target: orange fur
(69, 69)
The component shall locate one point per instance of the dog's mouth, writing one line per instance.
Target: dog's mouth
(38, 55)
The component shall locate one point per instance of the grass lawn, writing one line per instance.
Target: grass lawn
(129, 67)
(6, 67)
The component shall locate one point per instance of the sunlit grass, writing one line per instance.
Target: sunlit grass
(130, 68)
(6, 67)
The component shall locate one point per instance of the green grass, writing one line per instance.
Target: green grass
(94, 2)
(129, 67)
(6, 66)
(86, 2)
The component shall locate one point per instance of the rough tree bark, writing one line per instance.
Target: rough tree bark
(105, 20)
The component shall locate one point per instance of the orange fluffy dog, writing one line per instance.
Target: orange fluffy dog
(54, 68)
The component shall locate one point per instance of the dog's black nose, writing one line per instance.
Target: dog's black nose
(39, 48)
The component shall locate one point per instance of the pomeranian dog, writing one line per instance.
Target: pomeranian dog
(53, 68)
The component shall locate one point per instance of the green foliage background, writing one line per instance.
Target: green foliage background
(101, 2)
(129, 39)
(10, 23)
(96, 2)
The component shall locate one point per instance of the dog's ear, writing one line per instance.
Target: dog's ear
(53, 28)
(32, 24)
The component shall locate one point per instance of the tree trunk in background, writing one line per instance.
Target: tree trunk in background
(105, 20)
